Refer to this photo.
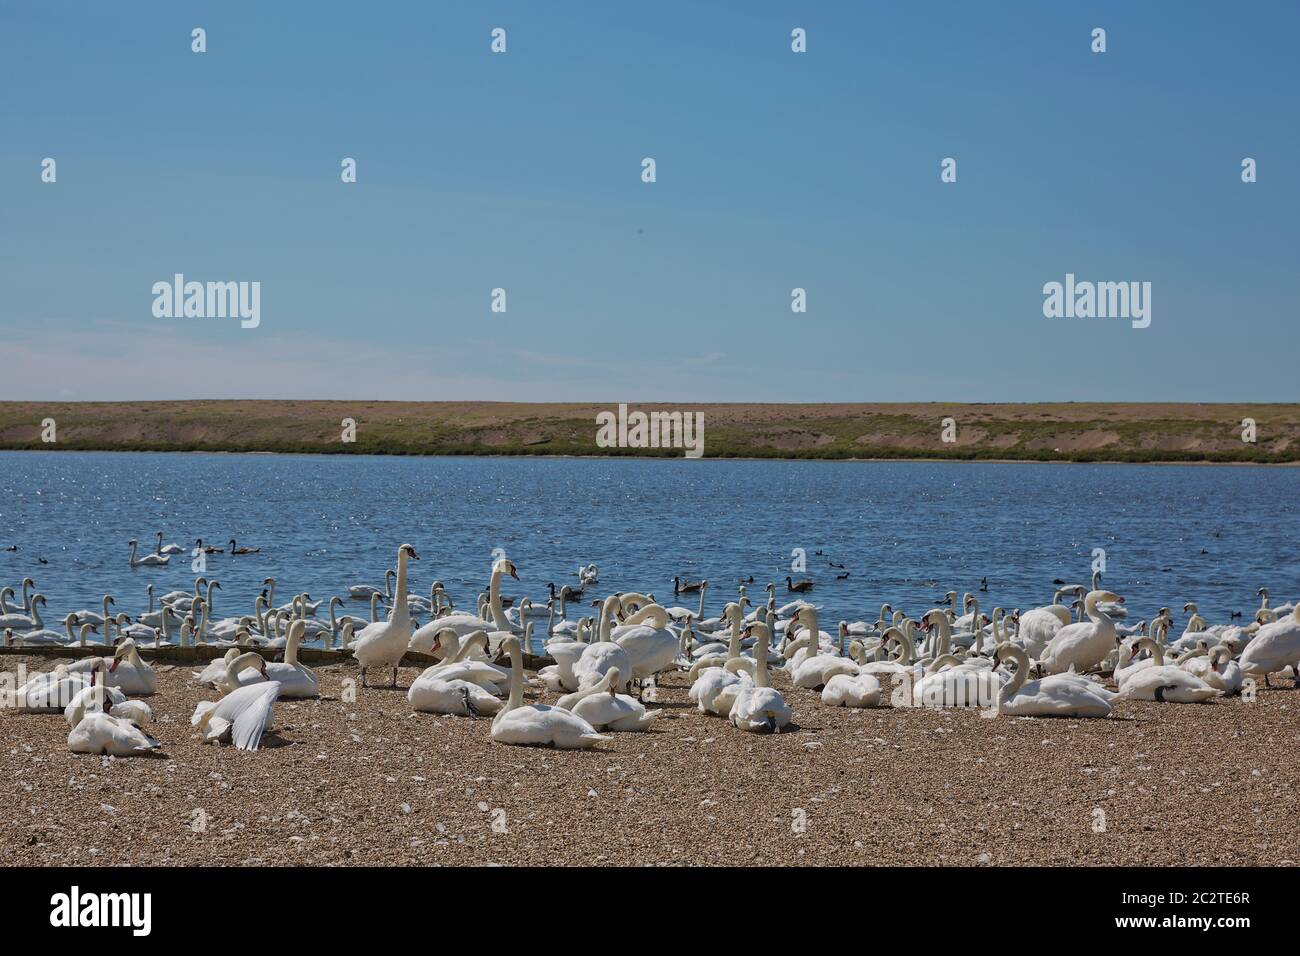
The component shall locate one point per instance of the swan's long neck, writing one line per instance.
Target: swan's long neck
(36, 615)
(494, 602)
(943, 636)
(291, 647)
(760, 656)
(1017, 681)
(400, 610)
(733, 645)
(703, 588)
(516, 680)
(1157, 652)
(809, 617)
(606, 611)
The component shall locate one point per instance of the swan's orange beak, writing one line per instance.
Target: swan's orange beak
(113, 666)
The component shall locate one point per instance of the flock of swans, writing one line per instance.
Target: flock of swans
(1060, 660)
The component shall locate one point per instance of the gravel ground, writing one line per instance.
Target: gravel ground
(371, 783)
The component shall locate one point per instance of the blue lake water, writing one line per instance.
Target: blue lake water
(906, 531)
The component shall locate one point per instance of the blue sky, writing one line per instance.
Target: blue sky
(775, 170)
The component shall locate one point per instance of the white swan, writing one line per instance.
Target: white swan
(606, 709)
(859, 689)
(1083, 645)
(129, 673)
(161, 548)
(537, 724)
(1217, 668)
(384, 644)
(216, 668)
(715, 689)
(651, 646)
(21, 622)
(759, 706)
(49, 692)
(1165, 682)
(149, 560)
(243, 715)
(811, 670)
(101, 733)
(296, 680)
(468, 662)
(94, 696)
(604, 653)
(446, 689)
(1274, 646)
(462, 623)
(1059, 695)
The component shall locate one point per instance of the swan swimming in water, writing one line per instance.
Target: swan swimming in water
(149, 560)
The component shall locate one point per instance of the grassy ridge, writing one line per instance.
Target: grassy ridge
(1039, 432)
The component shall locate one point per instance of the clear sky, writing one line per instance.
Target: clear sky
(775, 170)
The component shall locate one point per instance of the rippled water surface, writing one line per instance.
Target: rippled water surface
(905, 531)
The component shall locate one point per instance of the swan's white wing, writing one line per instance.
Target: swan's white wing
(253, 714)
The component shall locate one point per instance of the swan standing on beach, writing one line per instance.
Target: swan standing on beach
(1274, 646)
(537, 724)
(604, 653)
(149, 560)
(650, 645)
(384, 644)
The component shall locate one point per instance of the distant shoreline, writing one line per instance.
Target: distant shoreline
(1126, 433)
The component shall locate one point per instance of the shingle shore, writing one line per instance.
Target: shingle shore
(370, 783)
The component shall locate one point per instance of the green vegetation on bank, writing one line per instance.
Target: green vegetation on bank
(1091, 432)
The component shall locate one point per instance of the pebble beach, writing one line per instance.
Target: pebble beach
(371, 782)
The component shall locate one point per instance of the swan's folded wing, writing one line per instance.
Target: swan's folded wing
(254, 716)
